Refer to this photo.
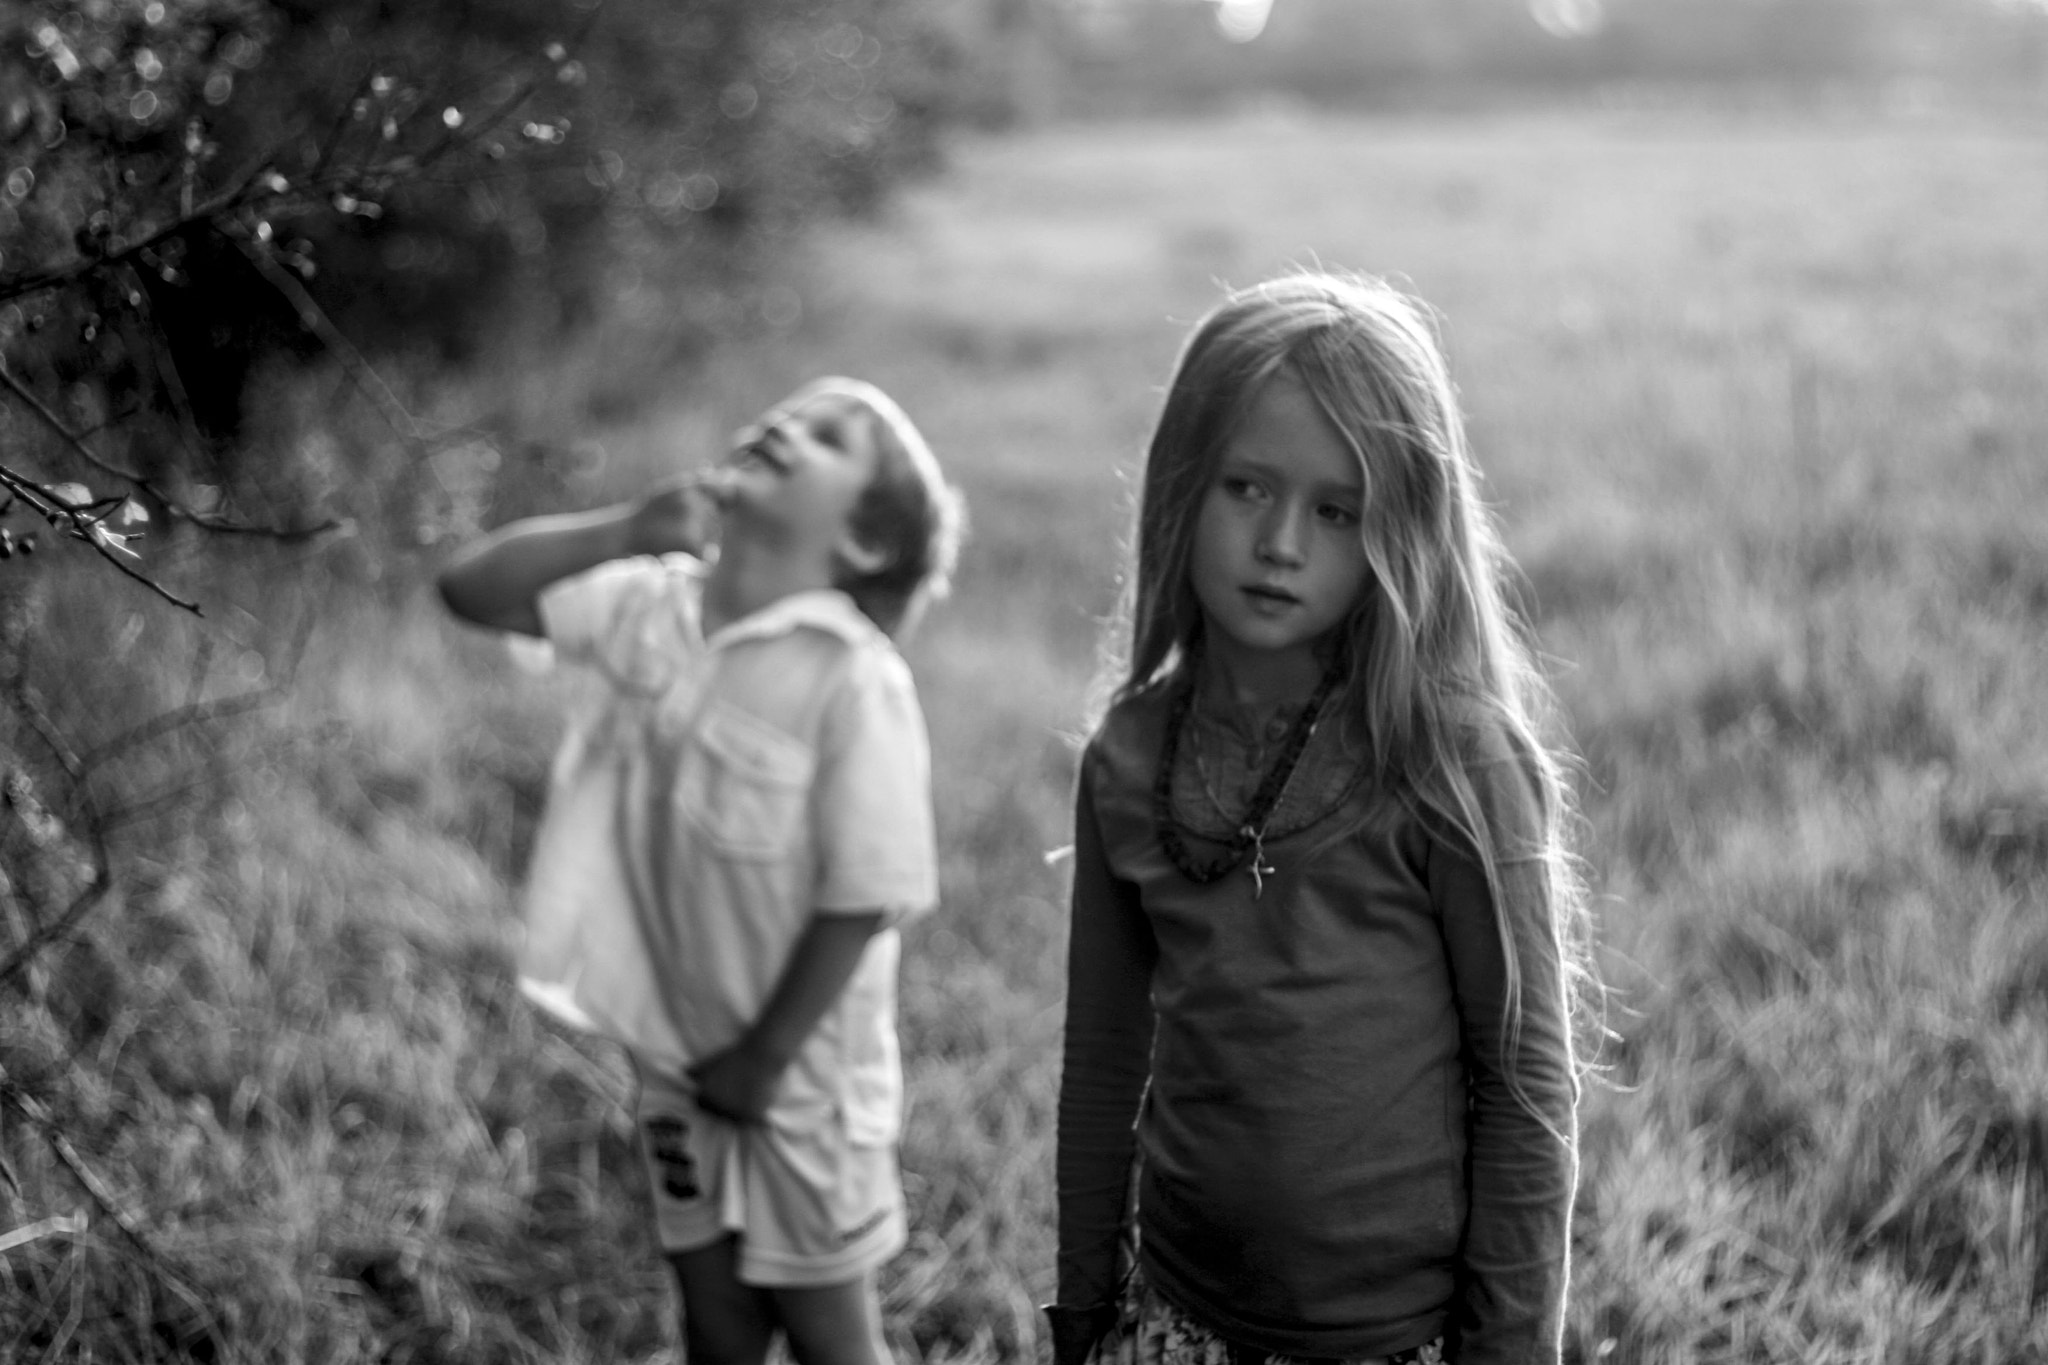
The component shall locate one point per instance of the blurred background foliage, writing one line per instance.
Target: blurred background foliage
(189, 185)
(186, 184)
(1121, 55)
(280, 281)
(187, 181)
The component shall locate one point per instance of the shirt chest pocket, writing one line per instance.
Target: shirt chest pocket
(744, 784)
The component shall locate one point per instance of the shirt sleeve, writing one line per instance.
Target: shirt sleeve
(622, 617)
(872, 795)
(1107, 1061)
(1516, 1253)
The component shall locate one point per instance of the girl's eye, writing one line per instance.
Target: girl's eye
(830, 434)
(1237, 486)
(1336, 514)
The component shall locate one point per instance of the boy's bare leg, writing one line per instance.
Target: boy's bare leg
(838, 1324)
(724, 1322)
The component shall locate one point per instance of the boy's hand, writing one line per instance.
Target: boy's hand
(677, 514)
(738, 1083)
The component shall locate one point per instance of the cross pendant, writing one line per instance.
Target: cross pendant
(1259, 868)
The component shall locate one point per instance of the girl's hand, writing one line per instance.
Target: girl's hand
(680, 513)
(737, 1084)
(1076, 1332)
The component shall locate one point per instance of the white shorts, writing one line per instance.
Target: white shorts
(809, 1206)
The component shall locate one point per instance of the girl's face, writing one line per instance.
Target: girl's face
(1278, 559)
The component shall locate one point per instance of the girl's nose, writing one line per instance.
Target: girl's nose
(1280, 537)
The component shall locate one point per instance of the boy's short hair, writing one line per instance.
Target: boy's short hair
(908, 512)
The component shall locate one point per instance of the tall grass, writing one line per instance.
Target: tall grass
(1761, 404)
(1762, 410)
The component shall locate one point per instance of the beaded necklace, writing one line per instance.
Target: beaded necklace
(1250, 838)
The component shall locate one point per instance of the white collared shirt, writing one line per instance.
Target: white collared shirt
(708, 800)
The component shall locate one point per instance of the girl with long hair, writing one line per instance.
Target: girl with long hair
(1320, 1077)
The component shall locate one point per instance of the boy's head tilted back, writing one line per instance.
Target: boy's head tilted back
(837, 474)
(840, 477)
(908, 517)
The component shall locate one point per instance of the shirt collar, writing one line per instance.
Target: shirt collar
(826, 609)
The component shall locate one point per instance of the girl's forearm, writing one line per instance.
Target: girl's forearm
(497, 579)
(1517, 1252)
(1092, 1172)
(1108, 1050)
(1522, 1158)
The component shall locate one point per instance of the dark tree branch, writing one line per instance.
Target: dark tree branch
(84, 524)
(151, 344)
(202, 712)
(76, 443)
(238, 213)
(79, 767)
(88, 814)
(58, 926)
(261, 181)
(72, 439)
(344, 116)
(120, 252)
(316, 321)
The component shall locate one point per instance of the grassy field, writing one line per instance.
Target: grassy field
(1763, 411)
(1762, 405)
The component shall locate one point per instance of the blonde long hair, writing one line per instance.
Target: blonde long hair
(1435, 655)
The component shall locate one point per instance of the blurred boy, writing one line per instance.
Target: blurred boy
(735, 827)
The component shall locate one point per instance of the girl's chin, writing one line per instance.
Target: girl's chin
(1264, 647)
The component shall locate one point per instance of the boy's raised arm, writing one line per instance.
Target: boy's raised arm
(496, 580)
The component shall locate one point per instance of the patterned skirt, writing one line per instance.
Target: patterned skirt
(1152, 1331)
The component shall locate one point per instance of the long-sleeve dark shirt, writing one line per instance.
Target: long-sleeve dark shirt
(1334, 1161)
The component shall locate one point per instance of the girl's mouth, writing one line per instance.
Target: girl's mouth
(1265, 598)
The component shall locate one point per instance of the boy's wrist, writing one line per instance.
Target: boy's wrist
(763, 1049)
(635, 535)
(674, 516)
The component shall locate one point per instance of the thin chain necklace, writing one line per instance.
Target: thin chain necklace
(1210, 789)
(1275, 827)
(1247, 847)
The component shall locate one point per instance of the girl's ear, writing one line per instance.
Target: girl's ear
(859, 557)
